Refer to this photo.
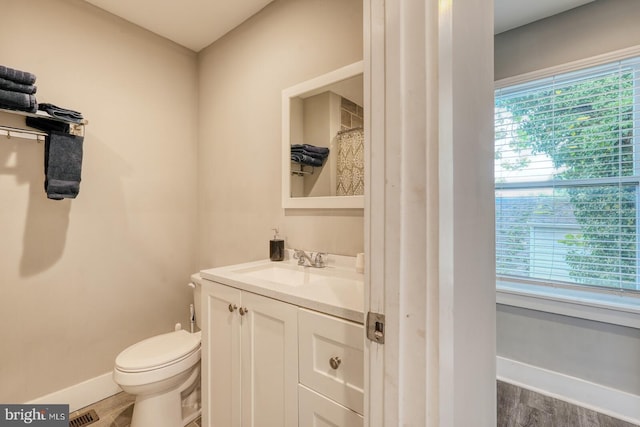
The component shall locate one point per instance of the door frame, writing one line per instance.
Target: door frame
(429, 214)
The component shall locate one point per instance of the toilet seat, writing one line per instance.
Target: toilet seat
(158, 352)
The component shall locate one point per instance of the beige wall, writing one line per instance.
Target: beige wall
(80, 280)
(321, 123)
(241, 79)
(596, 28)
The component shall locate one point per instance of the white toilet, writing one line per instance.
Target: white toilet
(163, 372)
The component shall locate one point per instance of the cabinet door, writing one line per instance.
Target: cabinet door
(318, 411)
(269, 363)
(221, 368)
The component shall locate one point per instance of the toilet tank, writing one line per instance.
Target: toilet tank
(197, 296)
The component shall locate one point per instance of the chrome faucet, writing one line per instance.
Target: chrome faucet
(318, 260)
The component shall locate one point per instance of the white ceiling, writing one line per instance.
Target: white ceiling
(196, 24)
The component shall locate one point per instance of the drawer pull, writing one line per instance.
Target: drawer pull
(232, 307)
(243, 311)
(335, 362)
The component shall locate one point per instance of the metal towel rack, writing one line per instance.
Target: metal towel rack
(29, 133)
(301, 171)
(9, 132)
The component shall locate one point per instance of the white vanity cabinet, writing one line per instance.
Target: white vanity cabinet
(277, 350)
(331, 367)
(249, 359)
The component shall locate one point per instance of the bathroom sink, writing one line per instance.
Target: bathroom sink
(284, 274)
(336, 289)
(291, 275)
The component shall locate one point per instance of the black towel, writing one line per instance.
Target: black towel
(62, 165)
(310, 155)
(18, 101)
(322, 151)
(47, 125)
(17, 87)
(62, 113)
(17, 76)
(306, 160)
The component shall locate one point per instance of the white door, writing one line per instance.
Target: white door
(269, 363)
(221, 380)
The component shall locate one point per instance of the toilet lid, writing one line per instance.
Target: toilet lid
(158, 351)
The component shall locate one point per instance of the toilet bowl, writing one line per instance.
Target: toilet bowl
(163, 372)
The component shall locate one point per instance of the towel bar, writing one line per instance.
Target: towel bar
(301, 171)
(9, 132)
(74, 128)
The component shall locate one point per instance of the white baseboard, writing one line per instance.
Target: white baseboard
(82, 394)
(606, 400)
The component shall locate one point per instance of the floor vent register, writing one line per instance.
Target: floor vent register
(84, 419)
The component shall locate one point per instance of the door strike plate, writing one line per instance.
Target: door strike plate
(375, 327)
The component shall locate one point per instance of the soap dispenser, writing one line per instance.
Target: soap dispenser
(276, 247)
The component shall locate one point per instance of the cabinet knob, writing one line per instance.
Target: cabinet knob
(335, 362)
(232, 307)
(243, 311)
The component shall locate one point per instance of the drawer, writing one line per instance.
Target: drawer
(316, 410)
(331, 358)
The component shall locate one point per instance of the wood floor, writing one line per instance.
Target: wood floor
(517, 407)
(116, 411)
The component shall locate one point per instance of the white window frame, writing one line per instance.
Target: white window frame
(613, 306)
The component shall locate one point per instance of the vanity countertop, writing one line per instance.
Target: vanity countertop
(337, 289)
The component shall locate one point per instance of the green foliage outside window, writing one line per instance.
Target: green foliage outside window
(586, 128)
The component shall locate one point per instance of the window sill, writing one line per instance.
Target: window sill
(616, 308)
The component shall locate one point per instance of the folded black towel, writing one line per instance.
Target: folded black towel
(62, 113)
(17, 87)
(306, 160)
(18, 101)
(309, 153)
(318, 158)
(47, 125)
(17, 76)
(62, 165)
(323, 151)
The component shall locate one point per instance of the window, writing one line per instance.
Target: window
(567, 176)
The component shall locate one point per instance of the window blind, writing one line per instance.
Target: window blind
(567, 175)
